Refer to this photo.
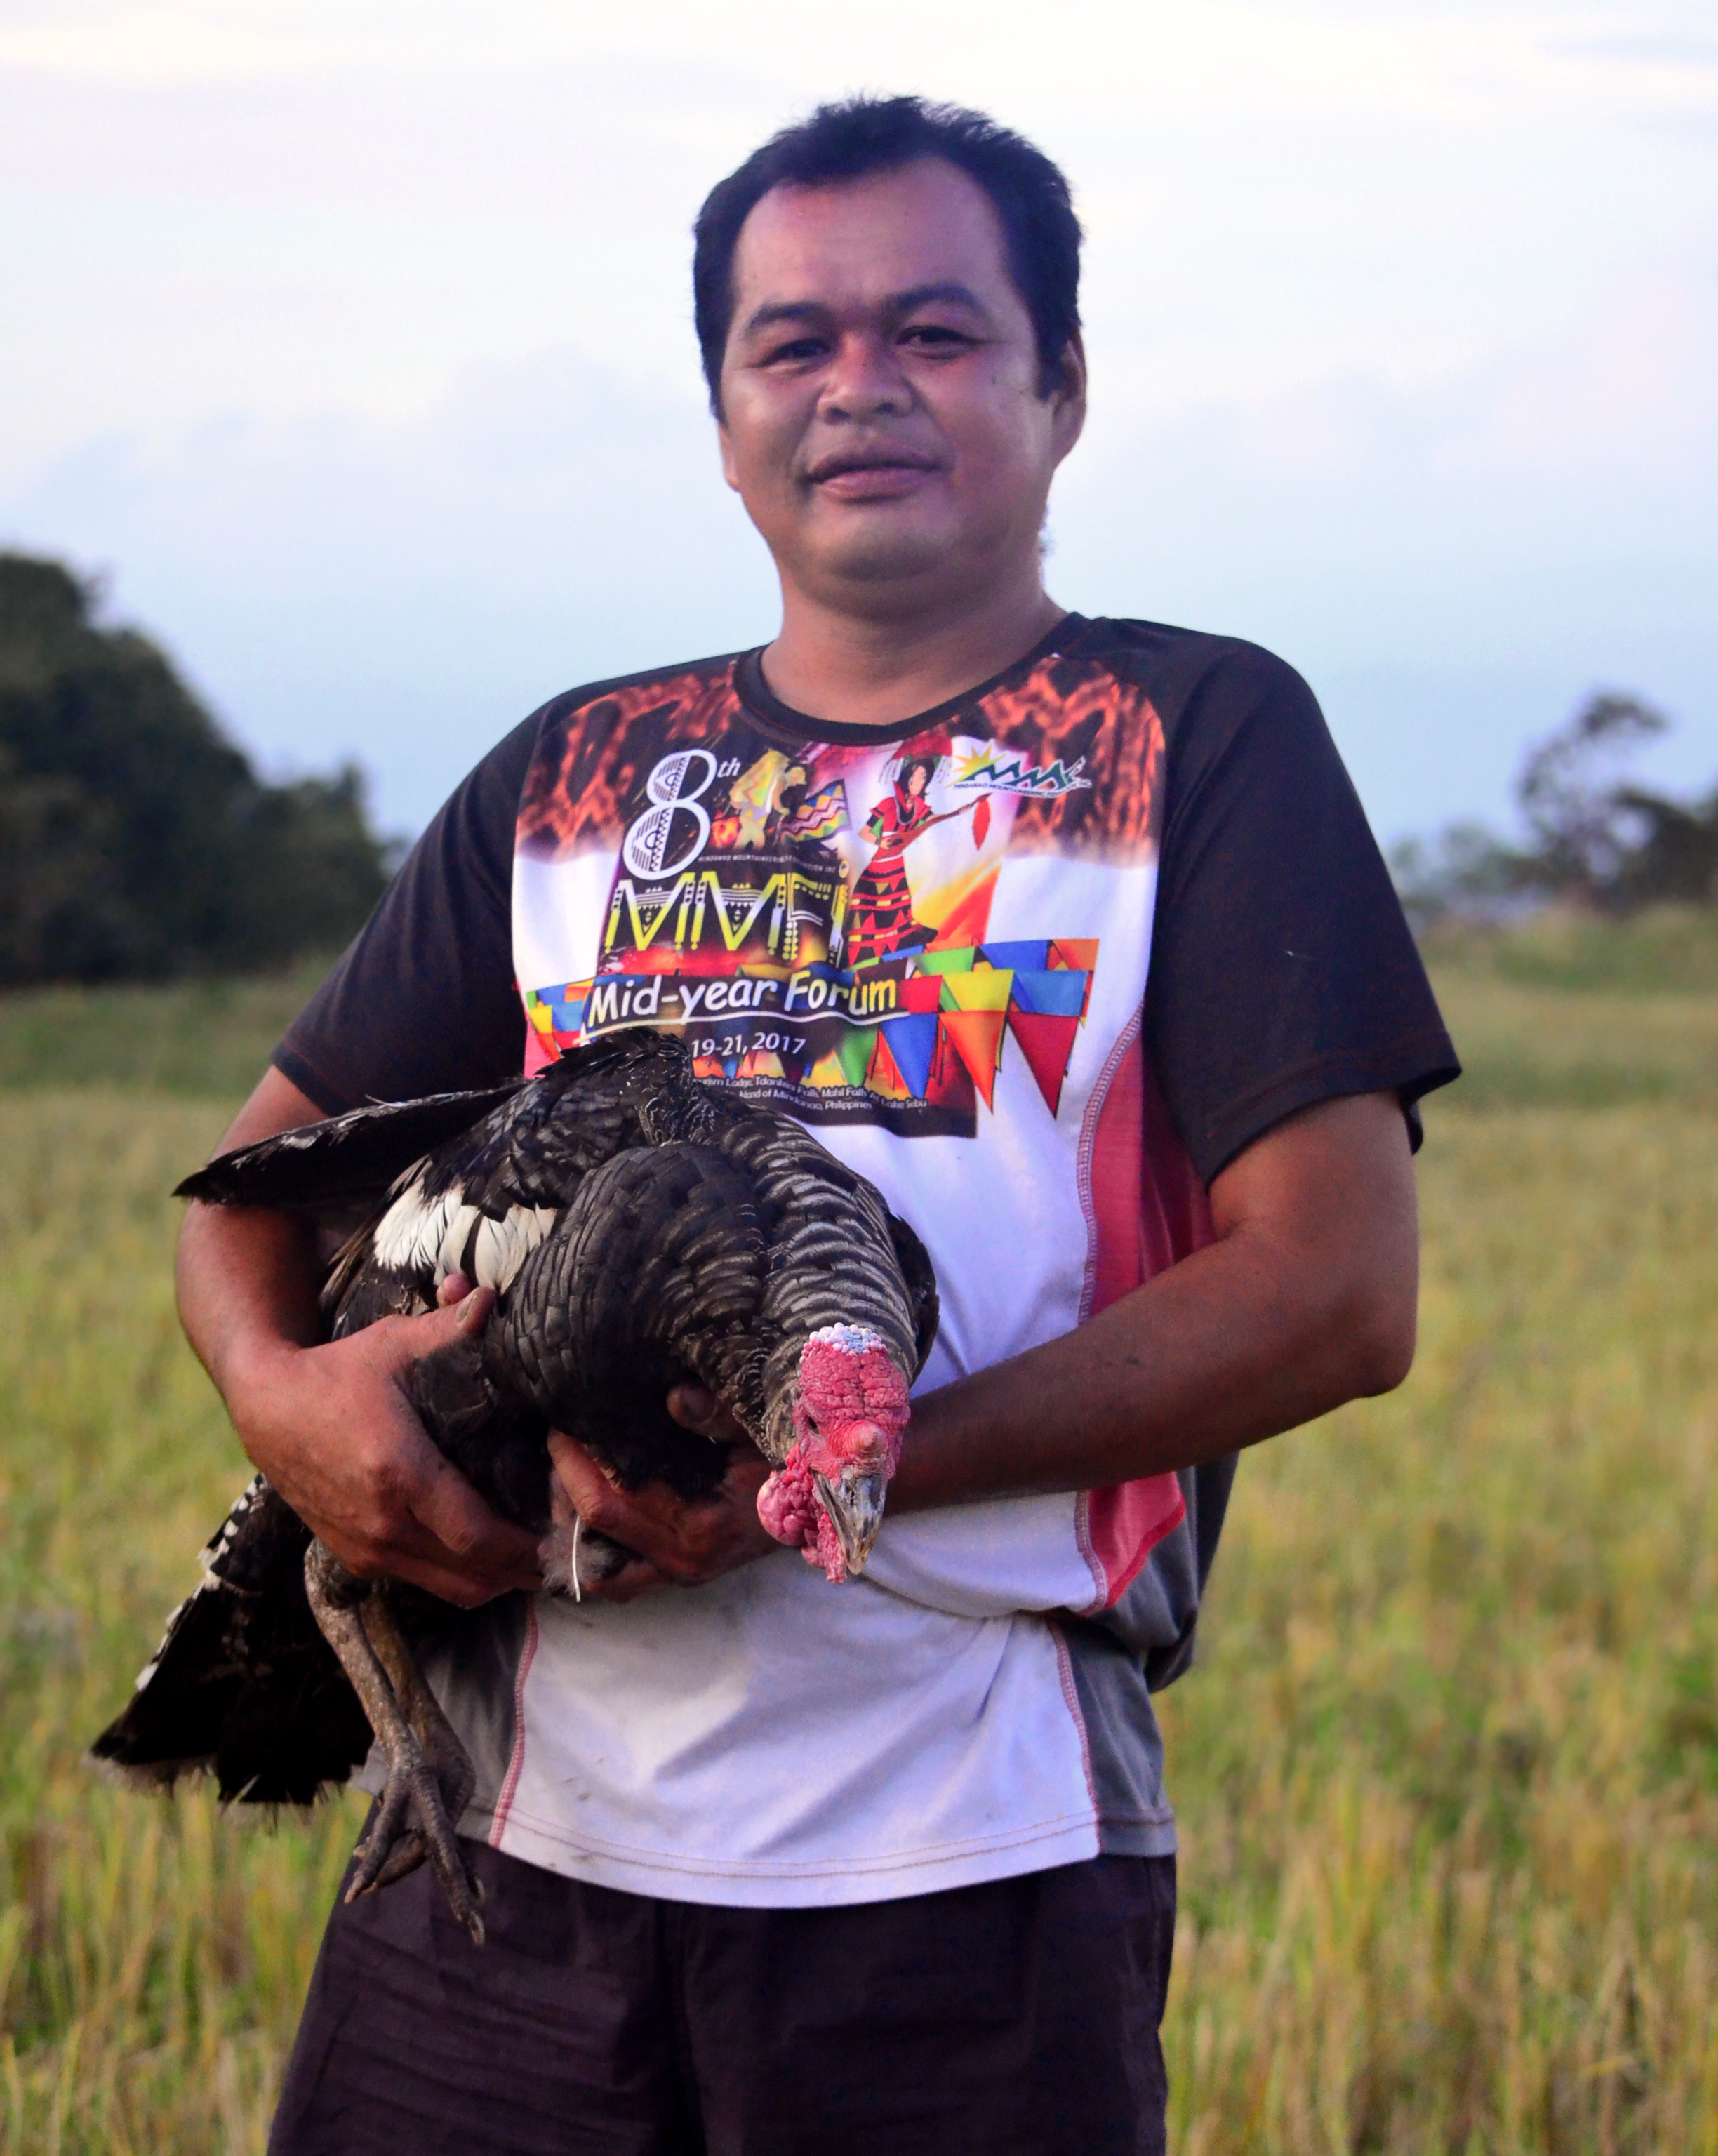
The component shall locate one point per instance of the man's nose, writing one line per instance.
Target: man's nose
(867, 382)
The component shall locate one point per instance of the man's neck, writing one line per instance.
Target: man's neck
(873, 670)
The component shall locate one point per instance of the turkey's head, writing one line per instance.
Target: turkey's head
(826, 1499)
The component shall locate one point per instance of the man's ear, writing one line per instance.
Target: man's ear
(1067, 395)
(725, 441)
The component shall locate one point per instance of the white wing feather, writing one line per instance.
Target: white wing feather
(432, 1236)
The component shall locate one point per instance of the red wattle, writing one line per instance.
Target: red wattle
(788, 1503)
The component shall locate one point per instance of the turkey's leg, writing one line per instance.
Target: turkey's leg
(449, 1762)
(412, 1805)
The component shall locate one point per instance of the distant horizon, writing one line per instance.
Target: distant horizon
(1654, 763)
(352, 346)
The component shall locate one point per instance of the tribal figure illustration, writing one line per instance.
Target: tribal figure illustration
(880, 915)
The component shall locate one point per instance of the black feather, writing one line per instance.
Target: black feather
(245, 1685)
(920, 1274)
(342, 1160)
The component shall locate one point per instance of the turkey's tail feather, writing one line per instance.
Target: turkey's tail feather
(244, 1687)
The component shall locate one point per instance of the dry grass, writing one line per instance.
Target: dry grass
(195, 1039)
(1448, 1779)
(151, 1954)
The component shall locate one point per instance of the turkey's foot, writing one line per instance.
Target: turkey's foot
(429, 1775)
(446, 1756)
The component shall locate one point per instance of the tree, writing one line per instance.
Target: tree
(1583, 825)
(1595, 842)
(135, 840)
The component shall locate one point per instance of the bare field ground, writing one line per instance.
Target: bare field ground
(1447, 1775)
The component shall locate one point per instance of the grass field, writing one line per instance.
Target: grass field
(1447, 1776)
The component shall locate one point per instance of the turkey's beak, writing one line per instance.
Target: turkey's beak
(854, 1505)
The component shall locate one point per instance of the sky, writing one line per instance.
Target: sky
(349, 344)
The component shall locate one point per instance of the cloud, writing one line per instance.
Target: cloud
(400, 593)
(1455, 566)
(353, 337)
(1452, 566)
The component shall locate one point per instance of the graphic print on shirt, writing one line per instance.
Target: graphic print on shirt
(945, 938)
(816, 920)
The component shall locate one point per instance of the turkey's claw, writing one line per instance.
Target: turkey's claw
(412, 1824)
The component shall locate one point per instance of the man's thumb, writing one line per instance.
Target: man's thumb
(454, 1320)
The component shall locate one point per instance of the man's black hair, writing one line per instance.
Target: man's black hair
(864, 135)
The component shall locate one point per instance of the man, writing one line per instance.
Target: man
(1125, 1021)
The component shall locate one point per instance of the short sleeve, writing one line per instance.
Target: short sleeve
(423, 1000)
(1283, 970)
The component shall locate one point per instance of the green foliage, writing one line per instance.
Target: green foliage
(1583, 842)
(1669, 950)
(1573, 1011)
(153, 1953)
(135, 841)
(1446, 1777)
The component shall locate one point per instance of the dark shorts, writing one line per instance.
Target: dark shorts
(1019, 2016)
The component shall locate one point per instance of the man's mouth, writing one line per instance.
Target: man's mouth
(864, 477)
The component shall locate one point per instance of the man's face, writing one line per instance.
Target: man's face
(881, 418)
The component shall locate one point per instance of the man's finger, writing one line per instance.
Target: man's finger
(648, 1521)
(466, 1310)
(679, 1544)
(694, 1407)
(495, 1558)
(629, 1583)
(400, 1341)
(458, 1524)
(617, 1513)
(413, 1555)
(455, 1587)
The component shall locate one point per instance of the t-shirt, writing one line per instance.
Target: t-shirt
(1040, 964)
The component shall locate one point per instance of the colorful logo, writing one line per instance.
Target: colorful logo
(996, 771)
(816, 926)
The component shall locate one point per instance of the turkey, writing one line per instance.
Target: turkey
(642, 1230)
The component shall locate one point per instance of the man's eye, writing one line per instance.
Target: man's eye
(797, 348)
(933, 336)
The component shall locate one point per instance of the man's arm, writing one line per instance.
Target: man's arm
(330, 1425)
(1305, 1299)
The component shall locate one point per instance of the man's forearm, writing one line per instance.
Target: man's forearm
(247, 1281)
(1210, 1357)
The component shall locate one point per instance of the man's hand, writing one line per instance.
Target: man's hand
(330, 1425)
(332, 1430)
(679, 1544)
